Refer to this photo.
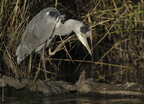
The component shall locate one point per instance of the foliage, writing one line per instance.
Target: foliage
(117, 40)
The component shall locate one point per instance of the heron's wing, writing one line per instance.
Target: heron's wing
(43, 25)
(38, 31)
(45, 44)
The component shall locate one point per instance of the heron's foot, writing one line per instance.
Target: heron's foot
(50, 52)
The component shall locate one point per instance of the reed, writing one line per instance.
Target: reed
(117, 39)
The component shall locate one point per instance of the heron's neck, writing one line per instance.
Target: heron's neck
(69, 26)
(63, 30)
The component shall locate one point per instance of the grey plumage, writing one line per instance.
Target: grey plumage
(68, 27)
(82, 31)
(39, 30)
(72, 25)
(43, 27)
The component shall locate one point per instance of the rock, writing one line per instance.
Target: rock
(12, 82)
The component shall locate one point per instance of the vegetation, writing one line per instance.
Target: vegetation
(117, 42)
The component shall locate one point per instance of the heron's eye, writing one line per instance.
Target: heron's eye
(84, 29)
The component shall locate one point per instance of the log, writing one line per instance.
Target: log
(83, 86)
(90, 86)
(45, 87)
(51, 87)
(13, 82)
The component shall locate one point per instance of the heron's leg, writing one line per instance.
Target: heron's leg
(30, 66)
(43, 61)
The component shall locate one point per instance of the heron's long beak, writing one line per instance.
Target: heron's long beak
(83, 40)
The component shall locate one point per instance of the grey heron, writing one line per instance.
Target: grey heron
(41, 30)
(82, 31)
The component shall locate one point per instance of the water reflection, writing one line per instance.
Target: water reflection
(71, 99)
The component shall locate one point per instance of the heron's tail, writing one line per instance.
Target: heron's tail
(21, 53)
(18, 54)
(18, 49)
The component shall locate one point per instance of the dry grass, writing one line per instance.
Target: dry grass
(117, 38)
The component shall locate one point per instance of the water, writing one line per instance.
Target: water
(69, 99)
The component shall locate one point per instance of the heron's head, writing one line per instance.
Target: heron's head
(82, 31)
(82, 34)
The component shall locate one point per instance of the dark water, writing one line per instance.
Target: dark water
(69, 99)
